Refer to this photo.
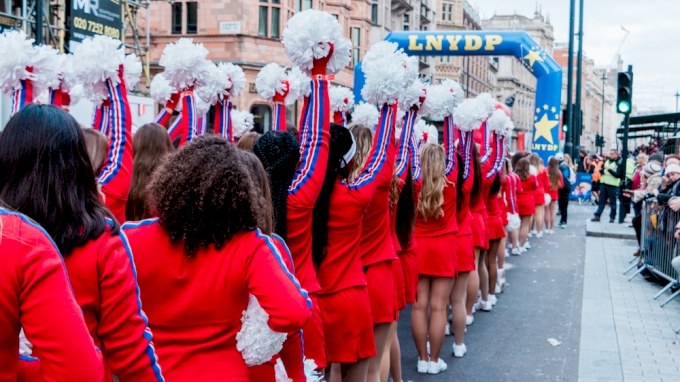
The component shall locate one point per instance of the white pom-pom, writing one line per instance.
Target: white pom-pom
(307, 37)
(160, 90)
(16, 53)
(69, 79)
(400, 120)
(497, 120)
(386, 73)
(457, 91)
(470, 114)
(438, 103)
(185, 63)
(299, 86)
(507, 129)
(256, 341)
(242, 122)
(269, 81)
(132, 71)
(75, 94)
(311, 374)
(280, 373)
(342, 99)
(513, 222)
(215, 87)
(548, 199)
(95, 61)
(426, 133)
(366, 115)
(202, 107)
(411, 96)
(46, 69)
(488, 102)
(235, 74)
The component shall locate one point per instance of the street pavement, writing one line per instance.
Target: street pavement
(571, 288)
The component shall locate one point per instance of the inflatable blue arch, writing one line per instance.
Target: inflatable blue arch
(494, 43)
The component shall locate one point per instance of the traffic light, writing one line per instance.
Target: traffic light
(565, 121)
(624, 94)
(599, 140)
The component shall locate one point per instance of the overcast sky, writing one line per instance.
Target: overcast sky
(652, 47)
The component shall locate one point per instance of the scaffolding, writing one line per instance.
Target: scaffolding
(56, 19)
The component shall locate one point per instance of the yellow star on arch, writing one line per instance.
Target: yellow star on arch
(544, 128)
(533, 56)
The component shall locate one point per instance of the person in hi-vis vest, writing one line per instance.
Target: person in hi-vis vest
(609, 185)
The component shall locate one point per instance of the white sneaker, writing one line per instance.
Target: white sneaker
(436, 367)
(448, 331)
(507, 253)
(469, 320)
(522, 250)
(539, 235)
(527, 245)
(473, 309)
(498, 290)
(533, 232)
(483, 305)
(492, 299)
(552, 232)
(510, 246)
(516, 252)
(428, 347)
(459, 351)
(422, 366)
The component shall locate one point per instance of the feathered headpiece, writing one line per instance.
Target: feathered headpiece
(456, 90)
(269, 81)
(342, 99)
(185, 63)
(388, 74)
(242, 122)
(366, 115)
(488, 102)
(412, 95)
(215, 87)
(307, 37)
(235, 74)
(439, 102)
(132, 71)
(160, 90)
(95, 61)
(298, 86)
(425, 132)
(470, 114)
(16, 53)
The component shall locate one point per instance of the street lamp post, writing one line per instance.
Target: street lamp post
(677, 95)
(604, 77)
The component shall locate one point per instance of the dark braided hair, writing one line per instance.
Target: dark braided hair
(279, 153)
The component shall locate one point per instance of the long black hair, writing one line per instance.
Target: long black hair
(279, 153)
(340, 144)
(459, 181)
(477, 184)
(45, 173)
(406, 211)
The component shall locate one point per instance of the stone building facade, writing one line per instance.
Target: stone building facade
(514, 81)
(248, 33)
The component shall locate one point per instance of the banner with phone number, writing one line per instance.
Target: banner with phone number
(95, 17)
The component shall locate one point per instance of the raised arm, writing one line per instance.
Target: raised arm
(22, 97)
(466, 143)
(484, 144)
(277, 290)
(222, 123)
(188, 125)
(174, 131)
(449, 145)
(123, 327)
(164, 116)
(383, 150)
(498, 154)
(50, 316)
(405, 142)
(55, 97)
(116, 175)
(100, 118)
(278, 116)
(314, 138)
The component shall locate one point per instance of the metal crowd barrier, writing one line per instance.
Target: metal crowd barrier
(658, 246)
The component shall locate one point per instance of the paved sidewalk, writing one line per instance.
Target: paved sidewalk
(625, 334)
(610, 230)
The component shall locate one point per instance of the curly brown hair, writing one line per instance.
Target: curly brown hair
(204, 194)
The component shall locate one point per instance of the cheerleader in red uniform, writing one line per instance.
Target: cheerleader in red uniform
(512, 186)
(61, 195)
(555, 182)
(525, 200)
(539, 194)
(35, 295)
(203, 240)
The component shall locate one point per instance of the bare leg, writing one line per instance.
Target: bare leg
(524, 230)
(458, 311)
(491, 265)
(539, 219)
(381, 333)
(514, 238)
(335, 372)
(354, 372)
(552, 214)
(393, 357)
(472, 285)
(500, 254)
(483, 276)
(419, 318)
(439, 302)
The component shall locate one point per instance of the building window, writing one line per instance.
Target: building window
(308, 4)
(276, 17)
(407, 22)
(262, 30)
(297, 5)
(356, 42)
(447, 12)
(336, 16)
(374, 12)
(262, 117)
(192, 17)
(176, 18)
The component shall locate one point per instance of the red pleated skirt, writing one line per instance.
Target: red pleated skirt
(437, 256)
